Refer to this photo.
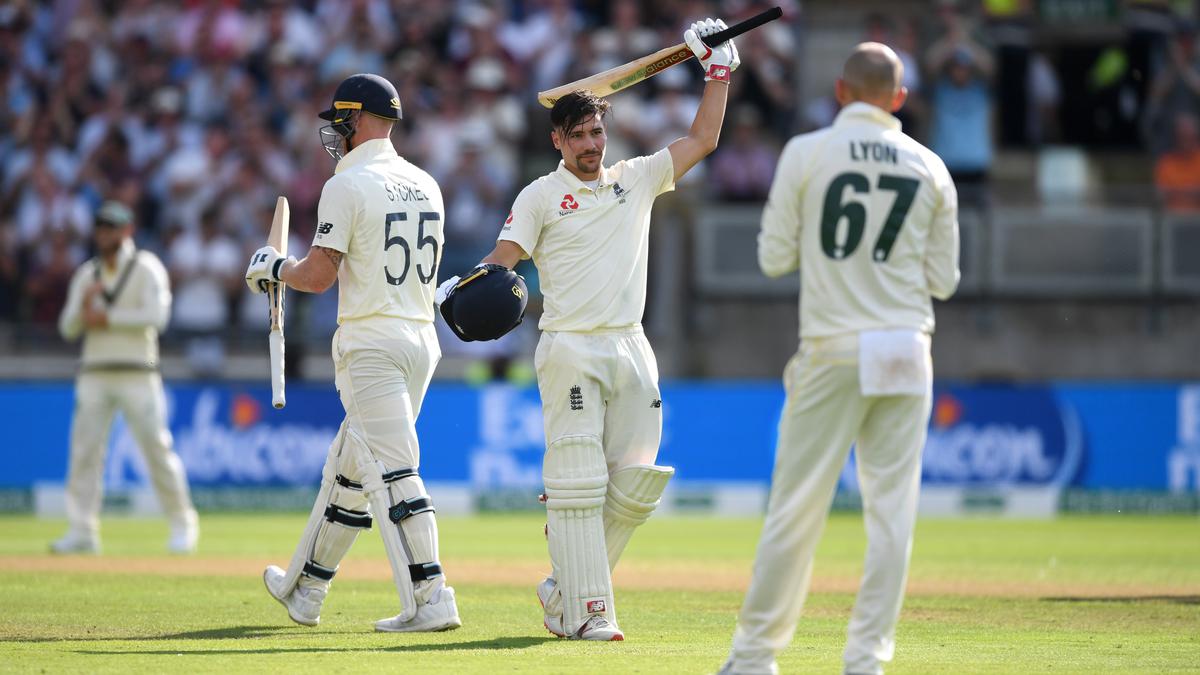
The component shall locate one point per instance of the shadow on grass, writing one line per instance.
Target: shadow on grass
(227, 633)
(491, 644)
(1168, 599)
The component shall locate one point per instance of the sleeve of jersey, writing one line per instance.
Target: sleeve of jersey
(335, 213)
(524, 223)
(70, 321)
(779, 238)
(661, 171)
(941, 252)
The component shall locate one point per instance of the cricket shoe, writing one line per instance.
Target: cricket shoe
(551, 606)
(440, 613)
(75, 543)
(599, 629)
(303, 604)
(182, 539)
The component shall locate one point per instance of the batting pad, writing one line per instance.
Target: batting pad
(411, 513)
(576, 479)
(633, 494)
(338, 515)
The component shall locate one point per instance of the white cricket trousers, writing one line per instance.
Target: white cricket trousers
(824, 413)
(138, 395)
(383, 368)
(602, 384)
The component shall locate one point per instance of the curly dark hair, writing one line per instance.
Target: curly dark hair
(575, 108)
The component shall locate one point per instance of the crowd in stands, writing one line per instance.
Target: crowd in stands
(199, 113)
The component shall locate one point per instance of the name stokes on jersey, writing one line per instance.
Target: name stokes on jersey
(404, 192)
(873, 151)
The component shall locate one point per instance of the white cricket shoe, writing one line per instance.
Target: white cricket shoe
(183, 538)
(598, 628)
(551, 618)
(440, 613)
(303, 604)
(73, 542)
(595, 628)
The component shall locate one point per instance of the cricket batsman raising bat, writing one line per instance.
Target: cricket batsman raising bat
(587, 227)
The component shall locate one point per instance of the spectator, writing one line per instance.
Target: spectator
(1176, 89)
(1177, 172)
(47, 206)
(960, 129)
(206, 272)
(52, 261)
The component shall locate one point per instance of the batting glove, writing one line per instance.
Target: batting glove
(264, 268)
(718, 62)
(444, 290)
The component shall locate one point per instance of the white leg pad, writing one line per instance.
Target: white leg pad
(406, 524)
(633, 494)
(412, 514)
(576, 479)
(337, 516)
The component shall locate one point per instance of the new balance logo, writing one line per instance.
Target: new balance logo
(596, 606)
(576, 398)
(324, 228)
(656, 403)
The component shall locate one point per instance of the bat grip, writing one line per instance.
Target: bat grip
(739, 28)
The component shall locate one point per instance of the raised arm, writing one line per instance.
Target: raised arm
(718, 63)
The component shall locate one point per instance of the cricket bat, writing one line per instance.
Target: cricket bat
(279, 239)
(615, 79)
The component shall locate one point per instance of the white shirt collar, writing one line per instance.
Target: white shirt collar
(860, 111)
(365, 151)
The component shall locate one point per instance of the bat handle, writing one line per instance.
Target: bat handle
(277, 398)
(739, 28)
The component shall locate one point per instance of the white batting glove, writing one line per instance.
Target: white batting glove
(263, 269)
(718, 62)
(443, 291)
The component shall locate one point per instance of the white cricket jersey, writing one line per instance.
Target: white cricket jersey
(386, 215)
(870, 217)
(137, 300)
(590, 246)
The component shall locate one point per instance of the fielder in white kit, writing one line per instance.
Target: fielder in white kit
(871, 219)
(379, 235)
(587, 229)
(120, 301)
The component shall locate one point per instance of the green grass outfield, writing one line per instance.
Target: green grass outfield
(1077, 594)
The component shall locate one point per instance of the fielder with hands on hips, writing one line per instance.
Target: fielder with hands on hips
(379, 234)
(120, 301)
(587, 229)
(870, 217)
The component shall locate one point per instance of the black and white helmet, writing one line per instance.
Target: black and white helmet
(361, 93)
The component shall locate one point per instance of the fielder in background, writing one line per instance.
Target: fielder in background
(871, 219)
(120, 301)
(587, 229)
(379, 235)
